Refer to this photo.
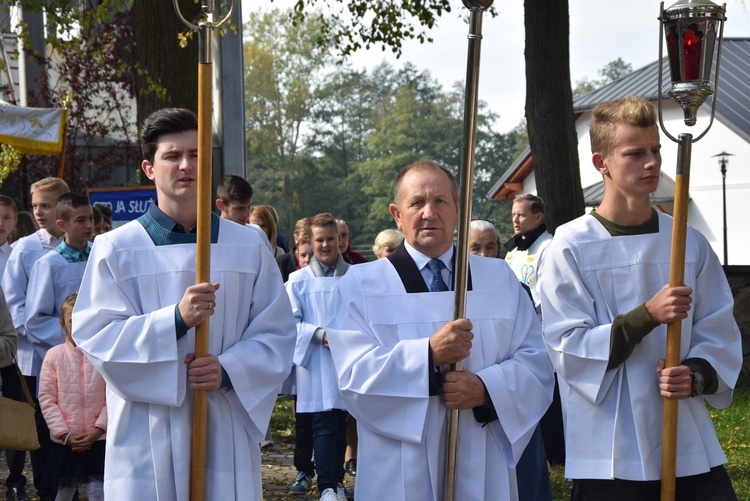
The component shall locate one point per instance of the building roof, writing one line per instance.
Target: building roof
(732, 106)
(511, 182)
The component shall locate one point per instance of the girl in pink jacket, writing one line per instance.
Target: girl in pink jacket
(73, 402)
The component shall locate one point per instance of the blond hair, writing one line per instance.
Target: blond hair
(389, 237)
(51, 184)
(606, 116)
(66, 308)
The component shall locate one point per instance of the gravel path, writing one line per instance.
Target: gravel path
(278, 475)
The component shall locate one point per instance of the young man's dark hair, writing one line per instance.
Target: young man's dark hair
(234, 188)
(164, 121)
(68, 202)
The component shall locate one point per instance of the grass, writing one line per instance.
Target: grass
(733, 430)
(282, 421)
(731, 426)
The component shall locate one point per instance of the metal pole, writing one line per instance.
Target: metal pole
(724, 205)
(466, 183)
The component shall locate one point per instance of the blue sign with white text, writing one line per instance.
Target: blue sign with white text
(126, 203)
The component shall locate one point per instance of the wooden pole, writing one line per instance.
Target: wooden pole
(203, 254)
(674, 329)
(61, 161)
(67, 102)
(203, 237)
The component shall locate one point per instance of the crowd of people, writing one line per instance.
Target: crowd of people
(562, 342)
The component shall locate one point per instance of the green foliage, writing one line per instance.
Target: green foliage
(609, 73)
(560, 484)
(282, 421)
(354, 24)
(325, 137)
(86, 61)
(10, 159)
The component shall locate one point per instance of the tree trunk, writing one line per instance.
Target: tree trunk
(157, 51)
(549, 110)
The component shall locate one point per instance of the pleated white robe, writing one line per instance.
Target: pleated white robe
(15, 281)
(124, 321)
(379, 340)
(52, 279)
(613, 418)
(317, 384)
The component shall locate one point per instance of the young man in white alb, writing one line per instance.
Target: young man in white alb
(606, 309)
(135, 318)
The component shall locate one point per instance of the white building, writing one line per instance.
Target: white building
(729, 133)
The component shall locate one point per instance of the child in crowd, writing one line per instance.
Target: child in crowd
(107, 217)
(26, 252)
(73, 401)
(25, 226)
(318, 395)
(98, 223)
(56, 274)
(261, 216)
(7, 226)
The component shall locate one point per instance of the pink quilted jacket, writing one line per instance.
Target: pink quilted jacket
(71, 393)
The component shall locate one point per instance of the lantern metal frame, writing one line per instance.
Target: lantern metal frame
(691, 93)
(690, 88)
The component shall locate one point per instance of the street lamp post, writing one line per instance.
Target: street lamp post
(723, 161)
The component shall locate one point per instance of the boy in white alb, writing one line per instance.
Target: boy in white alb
(310, 291)
(26, 252)
(57, 274)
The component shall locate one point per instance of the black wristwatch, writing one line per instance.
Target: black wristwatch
(697, 383)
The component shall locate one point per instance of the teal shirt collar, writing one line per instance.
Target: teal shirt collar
(163, 230)
(73, 255)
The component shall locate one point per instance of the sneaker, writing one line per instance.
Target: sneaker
(329, 495)
(351, 467)
(343, 494)
(302, 484)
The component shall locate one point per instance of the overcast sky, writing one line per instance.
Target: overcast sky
(600, 32)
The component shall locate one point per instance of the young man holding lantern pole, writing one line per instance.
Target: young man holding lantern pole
(606, 310)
